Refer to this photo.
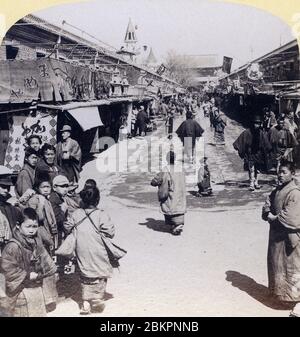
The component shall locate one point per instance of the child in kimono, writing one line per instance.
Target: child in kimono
(204, 179)
(25, 264)
(46, 217)
(93, 261)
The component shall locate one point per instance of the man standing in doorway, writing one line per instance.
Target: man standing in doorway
(141, 121)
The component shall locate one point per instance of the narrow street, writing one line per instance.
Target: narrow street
(217, 267)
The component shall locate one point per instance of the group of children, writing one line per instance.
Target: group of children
(47, 215)
(33, 225)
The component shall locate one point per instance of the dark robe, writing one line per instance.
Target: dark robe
(141, 122)
(281, 140)
(25, 180)
(43, 168)
(12, 213)
(253, 146)
(20, 257)
(189, 129)
(60, 216)
(71, 166)
(284, 242)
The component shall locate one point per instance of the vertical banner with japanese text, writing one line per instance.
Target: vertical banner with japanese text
(21, 127)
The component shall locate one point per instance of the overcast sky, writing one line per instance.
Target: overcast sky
(186, 26)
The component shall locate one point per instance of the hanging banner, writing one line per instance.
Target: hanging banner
(18, 82)
(227, 62)
(21, 127)
(161, 69)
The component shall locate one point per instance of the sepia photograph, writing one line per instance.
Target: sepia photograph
(150, 162)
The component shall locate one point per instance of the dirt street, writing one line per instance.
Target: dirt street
(217, 267)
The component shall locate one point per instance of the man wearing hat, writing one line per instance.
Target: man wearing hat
(57, 199)
(68, 154)
(141, 121)
(253, 146)
(12, 213)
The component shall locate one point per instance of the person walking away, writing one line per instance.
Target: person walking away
(204, 186)
(188, 132)
(282, 211)
(253, 146)
(69, 154)
(93, 262)
(172, 195)
(25, 264)
(25, 179)
(141, 122)
(219, 123)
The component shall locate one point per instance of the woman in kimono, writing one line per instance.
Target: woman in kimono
(219, 123)
(68, 154)
(282, 211)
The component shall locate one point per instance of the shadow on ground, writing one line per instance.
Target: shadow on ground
(156, 225)
(257, 291)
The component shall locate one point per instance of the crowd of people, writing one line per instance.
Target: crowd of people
(38, 224)
(269, 143)
(49, 228)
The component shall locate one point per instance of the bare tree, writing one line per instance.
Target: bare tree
(179, 68)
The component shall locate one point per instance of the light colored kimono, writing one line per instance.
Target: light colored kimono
(72, 165)
(91, 254)
(176, 201)
(284, 242)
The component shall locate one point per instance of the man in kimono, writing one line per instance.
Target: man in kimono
(283, 142)
(253, 146)
(188, 132)
(141, 121)
(282, 211)
(68, 154)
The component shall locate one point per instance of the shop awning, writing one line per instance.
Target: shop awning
(87, 118)
(295, 94)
